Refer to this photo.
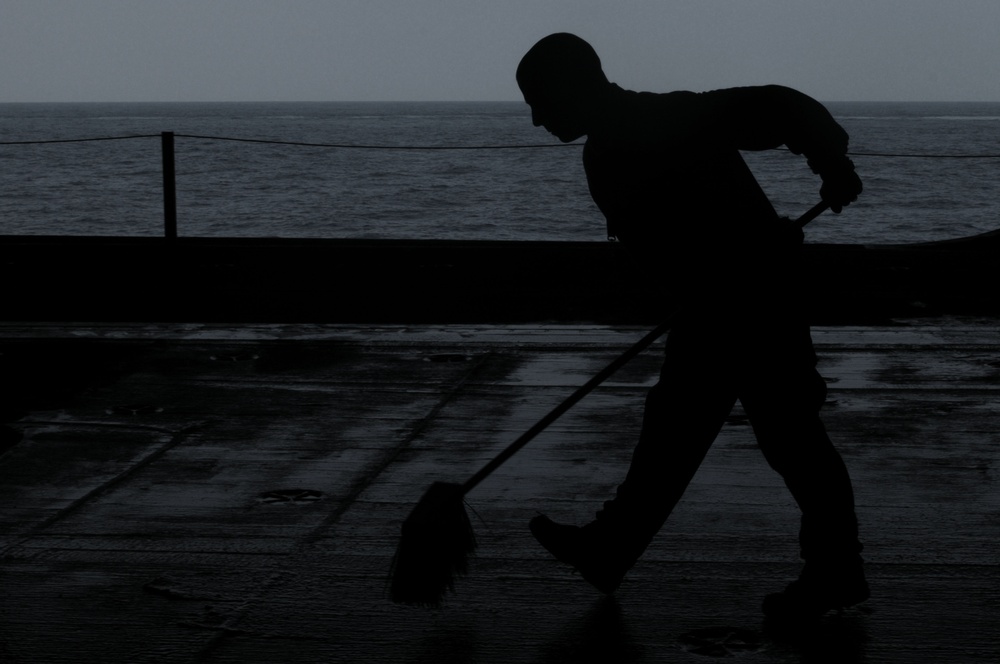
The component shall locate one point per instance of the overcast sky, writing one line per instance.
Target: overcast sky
(388, 50)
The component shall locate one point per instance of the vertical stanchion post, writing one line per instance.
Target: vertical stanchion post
(169, 186)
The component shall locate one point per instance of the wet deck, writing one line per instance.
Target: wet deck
(214, 494)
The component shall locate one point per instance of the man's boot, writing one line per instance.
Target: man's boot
(833, 576)
(598, 551)
(822, 587)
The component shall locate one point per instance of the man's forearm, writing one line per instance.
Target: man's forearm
(766, 117)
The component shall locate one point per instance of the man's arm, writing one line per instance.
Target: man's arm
(766, 117)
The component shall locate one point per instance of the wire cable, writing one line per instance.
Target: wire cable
(80, 140)
(349, 146)
(526, 146)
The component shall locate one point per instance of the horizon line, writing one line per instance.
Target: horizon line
(444, 101)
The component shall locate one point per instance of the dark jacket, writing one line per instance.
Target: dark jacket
(666, 171)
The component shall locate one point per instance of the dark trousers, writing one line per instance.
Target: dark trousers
(763, 357)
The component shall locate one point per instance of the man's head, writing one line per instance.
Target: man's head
(562, 80)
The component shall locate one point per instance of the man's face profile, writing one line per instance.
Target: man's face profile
(559, 116)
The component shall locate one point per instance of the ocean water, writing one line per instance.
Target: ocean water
(236, 188)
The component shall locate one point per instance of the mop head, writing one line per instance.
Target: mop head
(433, 550)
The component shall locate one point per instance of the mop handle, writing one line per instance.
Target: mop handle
(601, 376)
(568, 403)
(812, 213)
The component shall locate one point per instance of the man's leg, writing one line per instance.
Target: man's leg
(683, 414)
(782, 397)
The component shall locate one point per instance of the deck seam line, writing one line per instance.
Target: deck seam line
(376, 469)
(177, 438)
(365, 479)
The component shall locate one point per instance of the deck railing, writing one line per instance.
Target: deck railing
(167, 142)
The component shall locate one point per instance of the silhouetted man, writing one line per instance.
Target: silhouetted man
(666, 171)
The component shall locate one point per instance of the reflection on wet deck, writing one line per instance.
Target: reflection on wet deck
(187, 493)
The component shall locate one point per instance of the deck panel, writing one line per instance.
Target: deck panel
(150, 513)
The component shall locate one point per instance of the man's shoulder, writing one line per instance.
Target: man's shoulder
(647, 121)
(662, 99)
